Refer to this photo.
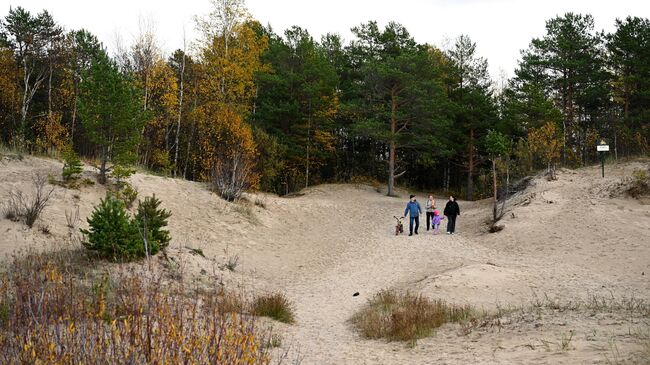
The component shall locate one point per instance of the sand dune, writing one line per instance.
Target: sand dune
(565, 240)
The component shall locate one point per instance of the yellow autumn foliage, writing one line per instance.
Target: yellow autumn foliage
(545, 144)
(130, 317)
(226, 89)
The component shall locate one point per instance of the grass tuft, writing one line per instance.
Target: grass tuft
(231, 263)
(405, 316)
(245, 209)
(260, 203)
(276, 306)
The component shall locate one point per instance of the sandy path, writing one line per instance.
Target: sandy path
(565, 239)
(571, 261)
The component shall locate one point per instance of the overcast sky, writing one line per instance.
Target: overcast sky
(501, 28)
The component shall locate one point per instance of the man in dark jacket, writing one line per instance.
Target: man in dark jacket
(413, 209)
(452, 210)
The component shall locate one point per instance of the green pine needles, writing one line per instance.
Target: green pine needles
(118, 237)
(152, 219)
(71, 164)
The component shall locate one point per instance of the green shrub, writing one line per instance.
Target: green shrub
(121, 173)
(127, 194)
(116, 236)
(71, 164)
(112, 234)
(149, 215)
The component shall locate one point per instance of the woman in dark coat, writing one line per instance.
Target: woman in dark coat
(452, 210)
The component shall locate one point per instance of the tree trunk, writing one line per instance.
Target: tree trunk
(180, 111)
(392, 145)
(615, 146)
(470, 166)
(187, 151)
(308, 136)
(102, 168)
(74, 118)
(563, 142)
(505, 198)
(49, 91)
(391, 169)
(24, 107)
(494, 190)
(570, 118)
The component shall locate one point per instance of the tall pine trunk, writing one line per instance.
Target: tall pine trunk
(392, 148)
(102, 169)
(494, 190)
(49, 91)
(308, 141)
(470, 166)
(74, 118)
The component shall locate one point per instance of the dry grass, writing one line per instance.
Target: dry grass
(72, 218)
(20, 206)
(245, 209)
(639, 183)
(260, 202)
(73, 183)
(44, 228)
(276, 306)
(55, 309)
(594, 304)
(366, 180)
(231, 263)
(645, 349)
(405, 316)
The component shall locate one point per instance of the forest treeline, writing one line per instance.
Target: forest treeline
(246, 107)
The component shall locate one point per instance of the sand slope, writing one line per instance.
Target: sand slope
(565, 240)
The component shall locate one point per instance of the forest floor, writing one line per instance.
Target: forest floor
(567, 272)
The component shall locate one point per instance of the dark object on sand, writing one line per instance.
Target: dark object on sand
(355, 294)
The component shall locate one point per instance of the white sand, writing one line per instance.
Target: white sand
(567, 240)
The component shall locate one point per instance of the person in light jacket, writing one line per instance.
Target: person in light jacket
(452, 210)
(413, 210)
(429, 207)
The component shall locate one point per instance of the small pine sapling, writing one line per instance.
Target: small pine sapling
(121, 173)
(111, 233)
(71, 163)
(151, 220)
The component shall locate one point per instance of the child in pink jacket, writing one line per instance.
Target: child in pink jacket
(435, 221)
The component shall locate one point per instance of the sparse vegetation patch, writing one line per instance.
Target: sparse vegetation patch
(406, 317)
(54, 309)
(276, 306)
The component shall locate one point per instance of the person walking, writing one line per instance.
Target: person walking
(429, 207)
(413, 210)
(452, 210)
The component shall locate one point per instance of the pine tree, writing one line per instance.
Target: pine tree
(401, 97)
(111, 116)
(297, 101)
(71, 163)
(629, 49)
(571, 55)
(475, 108)
(28, 36)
